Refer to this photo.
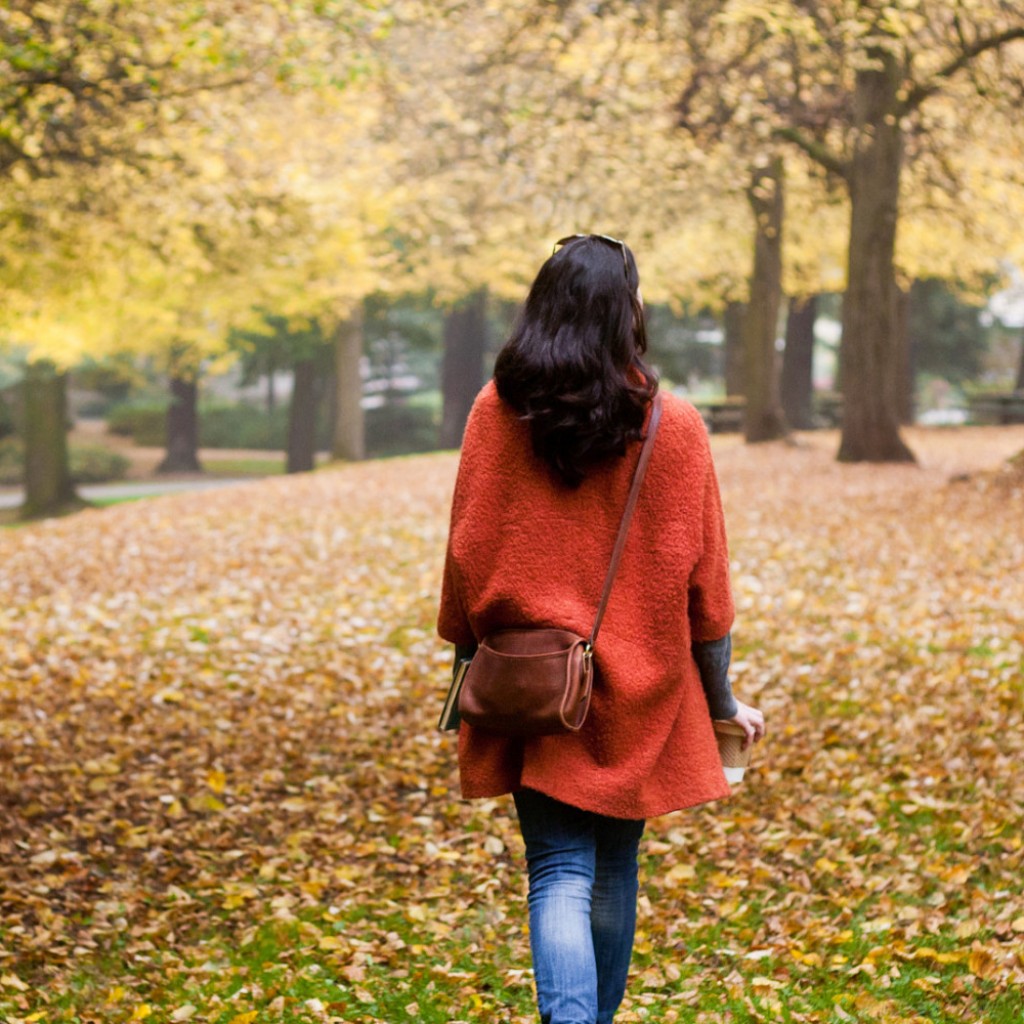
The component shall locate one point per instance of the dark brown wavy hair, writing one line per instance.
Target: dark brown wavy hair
(573, 365)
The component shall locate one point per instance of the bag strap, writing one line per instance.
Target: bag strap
(627, 515)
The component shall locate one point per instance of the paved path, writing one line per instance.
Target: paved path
(13, 498)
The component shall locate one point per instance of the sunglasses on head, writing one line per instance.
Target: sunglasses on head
(604, 238)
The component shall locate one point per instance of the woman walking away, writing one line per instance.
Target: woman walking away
(547, 460)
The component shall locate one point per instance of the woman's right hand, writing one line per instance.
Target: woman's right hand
(751, 721)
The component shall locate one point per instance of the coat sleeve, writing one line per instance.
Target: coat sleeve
(452, 619)
(710, 593)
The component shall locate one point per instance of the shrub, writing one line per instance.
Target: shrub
(7, 425)
(90, 464)
(242, 426)
(145, 423)
(400, 430)
(10, 462)
(94, 464)
(394, 429)
(220, 426)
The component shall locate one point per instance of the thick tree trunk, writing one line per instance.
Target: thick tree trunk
(870, 345)
(798, 362)
(732, 327)
(906, 370)
(349, 437)
(1020, 367)
(462, 367)
(302, 418)
(48, 487)
(182, 428)
(764, 419)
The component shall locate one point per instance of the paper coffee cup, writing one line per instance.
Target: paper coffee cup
(730, 748)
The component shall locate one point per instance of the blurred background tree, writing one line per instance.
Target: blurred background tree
(348, 199)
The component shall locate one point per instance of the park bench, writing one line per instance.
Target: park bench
(998, 408)
(725, 415)
(722, 416)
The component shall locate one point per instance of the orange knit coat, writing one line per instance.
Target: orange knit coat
(524, 549)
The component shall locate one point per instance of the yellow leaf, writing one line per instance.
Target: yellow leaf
(142, 1011)
(927, 953)
(244, 1018)
(680, 873)
(981, 963)
(205, 802)
(216, 780)
(808, 959)
(13, 981)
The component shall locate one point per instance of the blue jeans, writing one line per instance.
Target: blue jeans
(583, 889)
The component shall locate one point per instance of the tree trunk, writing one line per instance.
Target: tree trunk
(798, 362)
(329, 393)
(764, 419)
(870, 348)
(271, 389)
(182, 428)
(48, 487)
(462, 367)
(906, 373)
(302, 418)
(732, 326)
(1020, 367)
(349, 438)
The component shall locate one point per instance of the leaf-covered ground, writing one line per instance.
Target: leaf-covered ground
(222, 797)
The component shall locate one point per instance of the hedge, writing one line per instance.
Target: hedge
(90, 463)
(390, 430)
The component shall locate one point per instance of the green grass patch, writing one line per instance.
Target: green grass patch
(245, 467)
(374, 963)
(293, 971)
(107, 502)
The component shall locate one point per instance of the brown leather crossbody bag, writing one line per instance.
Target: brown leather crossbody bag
(538, 682)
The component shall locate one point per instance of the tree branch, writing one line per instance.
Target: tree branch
(923, 90)
(817, 151)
